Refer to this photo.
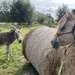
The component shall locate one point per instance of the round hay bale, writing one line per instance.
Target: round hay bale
(37, 49)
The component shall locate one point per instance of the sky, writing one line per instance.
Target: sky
(50, 6)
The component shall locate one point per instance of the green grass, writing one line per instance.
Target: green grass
(15, 66)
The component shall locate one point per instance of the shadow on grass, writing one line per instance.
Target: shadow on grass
(27, 69)
(2, 61)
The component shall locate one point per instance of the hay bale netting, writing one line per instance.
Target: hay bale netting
(69, 60)
(36, 48)
(46, 60)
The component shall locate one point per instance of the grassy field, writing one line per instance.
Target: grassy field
(16, 65)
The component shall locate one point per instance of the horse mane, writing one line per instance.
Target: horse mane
(60, 21)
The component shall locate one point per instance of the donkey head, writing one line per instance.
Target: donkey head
(17, 32)
(64, 26)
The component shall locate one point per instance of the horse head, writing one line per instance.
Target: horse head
(64, 34)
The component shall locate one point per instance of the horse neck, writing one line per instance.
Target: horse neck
(11, 37)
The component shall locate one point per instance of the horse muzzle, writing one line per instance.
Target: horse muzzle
(55, 43)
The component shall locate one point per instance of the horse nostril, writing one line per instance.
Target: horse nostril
(55, 43)
(20, 41)
(52, 42)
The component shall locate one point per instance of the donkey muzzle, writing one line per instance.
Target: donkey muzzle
(20, 41)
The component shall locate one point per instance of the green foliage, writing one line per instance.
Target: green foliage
(61, 11)
(22, 11)
(49, 20)
(4, 26)
(16, 65)
(42, 18)
(4, 12)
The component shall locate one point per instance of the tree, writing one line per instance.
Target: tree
(42, 18)
(61, 11)
(4, 12)
(22, 11)
(49, 20)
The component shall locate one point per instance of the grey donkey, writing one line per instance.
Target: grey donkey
(7, 38)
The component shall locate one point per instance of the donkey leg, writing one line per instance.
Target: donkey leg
(10, 50)
(7, 52)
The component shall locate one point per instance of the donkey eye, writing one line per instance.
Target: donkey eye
(18, 32)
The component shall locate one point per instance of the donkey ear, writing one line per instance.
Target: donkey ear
(12, 27)
(19, 27)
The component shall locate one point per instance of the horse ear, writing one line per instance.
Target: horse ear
(69, 14)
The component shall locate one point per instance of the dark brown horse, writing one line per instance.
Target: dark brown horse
(7, 38)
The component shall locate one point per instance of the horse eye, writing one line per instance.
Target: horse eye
(62, 28)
